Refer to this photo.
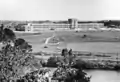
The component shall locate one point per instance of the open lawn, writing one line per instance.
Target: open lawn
(72, 36)
(109, 41)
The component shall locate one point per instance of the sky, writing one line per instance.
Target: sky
(59, 9)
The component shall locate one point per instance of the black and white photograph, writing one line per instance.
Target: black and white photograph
(59, 40)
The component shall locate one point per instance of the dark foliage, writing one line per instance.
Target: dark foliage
(67, 73)
(6, 34)
(64, 52)
(20, 27)
(23, 45)
(14, 58)
(19, 41)
(112, 23)
(67, 70)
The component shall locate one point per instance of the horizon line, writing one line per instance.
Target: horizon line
(58, 20)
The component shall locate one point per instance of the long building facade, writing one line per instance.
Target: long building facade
(70, 24)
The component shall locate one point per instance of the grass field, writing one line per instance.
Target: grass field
(108, 40)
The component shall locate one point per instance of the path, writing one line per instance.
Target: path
(47, 39)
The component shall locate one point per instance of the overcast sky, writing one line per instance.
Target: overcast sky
(59, 9)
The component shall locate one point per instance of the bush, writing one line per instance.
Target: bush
(56, 61)
(83, 64)
(52, 62)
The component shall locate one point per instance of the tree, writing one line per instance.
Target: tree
(20, 27)
(52, 62)
(64, 52)
(1, 27)
(6, 35)
(23, 45)
(13, 61)
(70, 52)
(67, 73)
(1, 32)
(80, 76)
(14, 58)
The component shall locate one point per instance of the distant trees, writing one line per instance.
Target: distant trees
(20, 27)
(112, 23)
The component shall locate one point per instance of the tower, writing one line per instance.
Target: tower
(29, 28)
(73, 23)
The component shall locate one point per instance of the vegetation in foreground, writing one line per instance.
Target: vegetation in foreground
(16, 56)
(85, 63)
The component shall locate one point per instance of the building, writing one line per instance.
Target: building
(90, 26)
(69, 24)
(46, 26)
(29, 28)
(73, 23)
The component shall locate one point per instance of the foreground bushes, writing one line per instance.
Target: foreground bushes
(68, 74)
(15, 56)
(84, 64)
(53, 61)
